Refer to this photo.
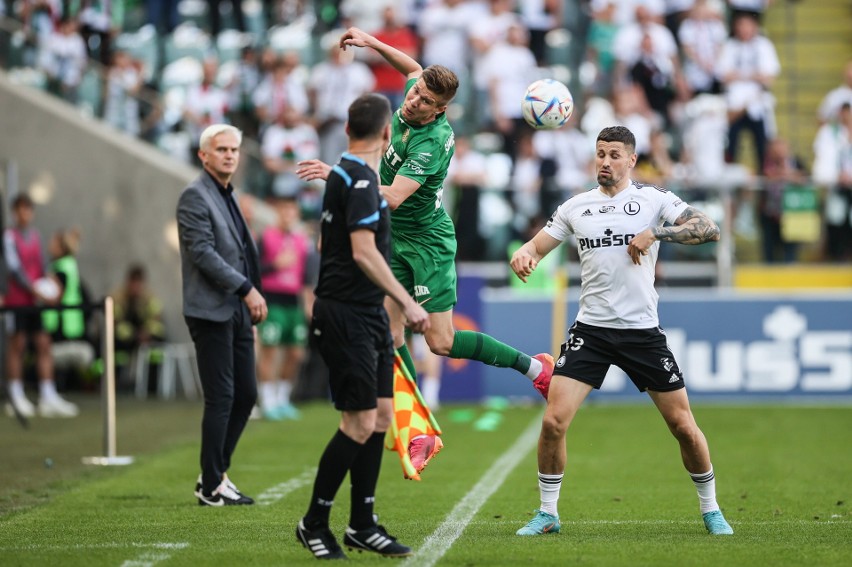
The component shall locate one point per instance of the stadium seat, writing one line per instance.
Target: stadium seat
(187, 40)
(255, 18)
(294, 37)
(230, 43)
(193, 12)
(177, 362)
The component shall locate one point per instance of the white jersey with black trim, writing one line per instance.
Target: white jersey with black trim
(615, 293)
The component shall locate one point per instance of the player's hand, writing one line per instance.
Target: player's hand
(640, 244)
(523, 263)
(311, 169)
(355, 37)
(416, 317)
(256, 305)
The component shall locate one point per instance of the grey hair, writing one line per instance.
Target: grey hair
(214, 130)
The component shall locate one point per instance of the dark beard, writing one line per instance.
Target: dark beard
(607, 182)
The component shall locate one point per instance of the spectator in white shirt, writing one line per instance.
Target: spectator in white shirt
(287, 141)
(509, 67)
(63, 59)
(443, 28)
(333, 85)
(829, 109)
(206, 104)
(124, 80)
(281, 87)
(702, 35)
(627, 45)
(747, 66)
(833, 169)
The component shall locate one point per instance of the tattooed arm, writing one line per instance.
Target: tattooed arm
(691, 227)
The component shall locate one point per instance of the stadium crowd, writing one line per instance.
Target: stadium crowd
(689, 77)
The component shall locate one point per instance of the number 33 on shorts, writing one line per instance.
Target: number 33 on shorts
(574, 343)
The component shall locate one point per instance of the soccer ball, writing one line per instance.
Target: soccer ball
(547, 104)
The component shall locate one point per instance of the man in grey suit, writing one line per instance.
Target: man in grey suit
(221, 302)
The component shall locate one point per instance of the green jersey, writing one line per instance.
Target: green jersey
(420, 153)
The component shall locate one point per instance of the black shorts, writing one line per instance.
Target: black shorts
(28, 322)
(355, 342)
(643, 354)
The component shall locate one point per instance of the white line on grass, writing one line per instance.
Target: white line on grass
(279, 491)
(105, 545)
(151, 558)
(437, 544)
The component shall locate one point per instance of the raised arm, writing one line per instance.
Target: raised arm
(400, 61)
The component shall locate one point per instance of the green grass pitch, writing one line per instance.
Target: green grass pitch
(783, 480)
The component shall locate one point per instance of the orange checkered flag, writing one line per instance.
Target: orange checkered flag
(411, 417)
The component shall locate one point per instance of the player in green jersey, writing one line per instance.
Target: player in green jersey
(412, 171)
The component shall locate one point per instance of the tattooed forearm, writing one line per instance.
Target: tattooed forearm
(691, 227)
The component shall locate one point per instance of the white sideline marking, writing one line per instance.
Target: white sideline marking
(108, 545)
(279, 491)
(151, 558)
(437, 544)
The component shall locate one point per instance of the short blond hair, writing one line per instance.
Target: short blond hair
(214, 130)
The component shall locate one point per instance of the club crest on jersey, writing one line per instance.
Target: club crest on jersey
(631, 208)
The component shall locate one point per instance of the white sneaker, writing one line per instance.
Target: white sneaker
(24, 406)
(57, 407)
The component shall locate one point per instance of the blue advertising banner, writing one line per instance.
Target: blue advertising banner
(728, 345)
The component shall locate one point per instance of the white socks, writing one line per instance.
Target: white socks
(16, 389)
(284, 389)
(534, 370)
(429, 387)
(47, 390)
(705, 483)
(549, 486)
(268, 395)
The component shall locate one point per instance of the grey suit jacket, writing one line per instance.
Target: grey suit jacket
(211, 252)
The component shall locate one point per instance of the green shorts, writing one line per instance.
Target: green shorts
(285, 325)
(426, 266)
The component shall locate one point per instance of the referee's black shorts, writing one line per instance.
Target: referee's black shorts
(355, 342)
(643, 354)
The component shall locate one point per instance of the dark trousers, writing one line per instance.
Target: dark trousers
(758, 131)
(227, 367)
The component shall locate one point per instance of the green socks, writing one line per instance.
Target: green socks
(487, 349)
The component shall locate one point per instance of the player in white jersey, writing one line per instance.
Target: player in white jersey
(618, 226)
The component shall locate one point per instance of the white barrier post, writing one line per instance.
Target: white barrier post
(108, 393)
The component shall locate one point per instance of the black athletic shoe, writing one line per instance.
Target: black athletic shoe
(223, 496)
(320, 542)
(375, 539)
(246, 500)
